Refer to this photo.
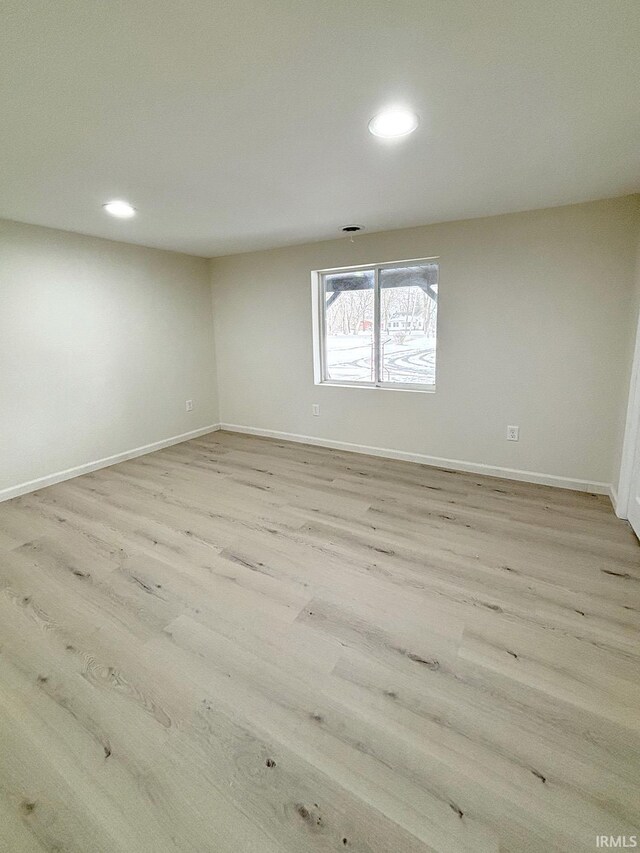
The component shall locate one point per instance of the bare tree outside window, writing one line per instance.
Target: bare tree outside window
(408, 312)
(349, 325)
(380, 325)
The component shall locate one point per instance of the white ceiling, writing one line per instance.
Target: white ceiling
(242, 124)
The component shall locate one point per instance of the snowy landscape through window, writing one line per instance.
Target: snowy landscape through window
(379, 325)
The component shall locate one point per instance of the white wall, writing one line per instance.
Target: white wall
(536, 317)
(101, 343)
(629, 420)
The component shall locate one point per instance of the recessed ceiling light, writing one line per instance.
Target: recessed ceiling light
(396, 121)
(119, 208)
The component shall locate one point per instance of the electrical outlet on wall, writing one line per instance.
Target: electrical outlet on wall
(513, 433)
(189, 405)
(315, 409)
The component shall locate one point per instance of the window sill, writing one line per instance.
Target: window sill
(427, 389)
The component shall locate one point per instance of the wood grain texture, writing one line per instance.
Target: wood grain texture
(240, 644)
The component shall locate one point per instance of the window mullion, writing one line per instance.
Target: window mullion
(376, 324)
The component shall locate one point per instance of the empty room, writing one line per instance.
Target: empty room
(319, 426)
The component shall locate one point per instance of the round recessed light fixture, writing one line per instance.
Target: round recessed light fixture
(119, 208)
(393, 122)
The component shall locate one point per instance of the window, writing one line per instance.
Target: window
(376, 325)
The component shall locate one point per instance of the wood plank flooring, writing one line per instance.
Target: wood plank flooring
(241, 644)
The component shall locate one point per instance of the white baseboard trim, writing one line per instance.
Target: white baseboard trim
(58, 477)
(384, 452)
(613, 497)
(435, 461)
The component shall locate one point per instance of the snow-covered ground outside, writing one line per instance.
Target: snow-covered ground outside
(349, 358)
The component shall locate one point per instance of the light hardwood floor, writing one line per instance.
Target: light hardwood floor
(240, 644)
